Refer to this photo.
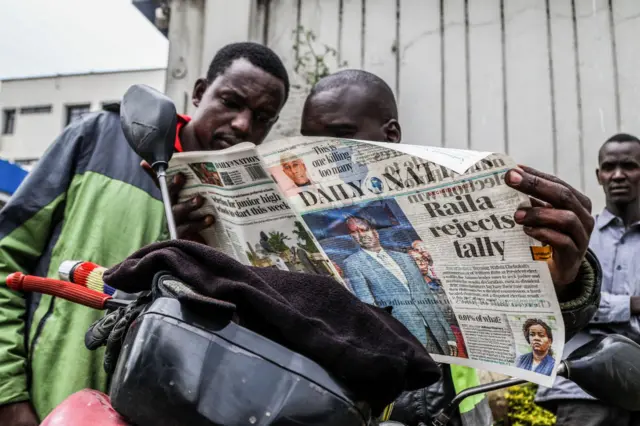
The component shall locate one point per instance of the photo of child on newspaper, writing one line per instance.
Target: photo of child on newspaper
(285, 249)
(538, 355)
(372, 244)
(207, 173)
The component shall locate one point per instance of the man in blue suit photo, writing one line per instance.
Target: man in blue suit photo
(392, 278)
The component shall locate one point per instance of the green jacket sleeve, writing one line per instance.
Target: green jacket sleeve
(27, 223)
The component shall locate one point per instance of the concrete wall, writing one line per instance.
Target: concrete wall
(34, 132)
(546, 81)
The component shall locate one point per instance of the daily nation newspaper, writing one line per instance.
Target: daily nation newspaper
(426, 231)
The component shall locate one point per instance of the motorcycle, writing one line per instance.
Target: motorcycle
(178, 367)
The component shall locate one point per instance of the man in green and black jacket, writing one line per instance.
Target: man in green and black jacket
(89, 199)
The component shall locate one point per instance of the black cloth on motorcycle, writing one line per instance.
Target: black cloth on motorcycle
(363, 345)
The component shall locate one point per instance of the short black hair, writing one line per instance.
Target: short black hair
(535, 321)
(380, 91)
(618, 137)
(259, 55)
(623, 137)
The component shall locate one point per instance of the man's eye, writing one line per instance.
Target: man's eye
(229, 103)
(264, 117)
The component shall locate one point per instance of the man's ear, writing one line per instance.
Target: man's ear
(392, 131)
(198, 91)
(598, 177)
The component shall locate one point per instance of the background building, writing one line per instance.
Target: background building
(35, 110)
(63, 68)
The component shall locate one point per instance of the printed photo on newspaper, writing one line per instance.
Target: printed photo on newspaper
(426, 231)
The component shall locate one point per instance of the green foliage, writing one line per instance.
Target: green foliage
(523, 411)
(311, 61)
(307, 242)
(277, 241)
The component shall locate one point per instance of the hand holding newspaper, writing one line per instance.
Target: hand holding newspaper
(427, 231)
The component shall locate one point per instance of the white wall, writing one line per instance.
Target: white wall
(545, 80)
(34, 132)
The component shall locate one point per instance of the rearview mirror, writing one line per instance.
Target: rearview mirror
(148, 120)
(608, 368)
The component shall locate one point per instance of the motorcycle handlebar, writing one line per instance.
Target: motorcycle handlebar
(72, 292)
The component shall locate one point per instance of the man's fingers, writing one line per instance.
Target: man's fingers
(537, 203)
(175, 185)
(195, 226)
(147, 168)
(556, 194)
(181, 211)
(583, 199)
(563, 221)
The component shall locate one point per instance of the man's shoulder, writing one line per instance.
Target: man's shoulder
(95, 123)
(354, 258)
(399, 254)
(108, 153)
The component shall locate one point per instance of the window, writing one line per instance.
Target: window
(76, 111)
(8, 121)
(37, 109)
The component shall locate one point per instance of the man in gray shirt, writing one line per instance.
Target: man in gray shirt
(616, 242)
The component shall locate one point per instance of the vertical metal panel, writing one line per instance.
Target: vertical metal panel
(351, 40)
(626, 19)
(321, 17)
(258, 21)
(284, 18)
(597, 86)
(528, 84)
(485, 77)
(455, 75)
(380, 47)
(420, 72)
(226, 22)
(565, 83)
(185, 52)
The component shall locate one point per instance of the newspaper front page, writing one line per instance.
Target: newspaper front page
(254, 223)
(427, 231)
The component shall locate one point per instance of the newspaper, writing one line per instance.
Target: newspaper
(427, 231)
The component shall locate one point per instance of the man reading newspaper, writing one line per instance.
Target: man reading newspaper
(357, 104)
(260, 225)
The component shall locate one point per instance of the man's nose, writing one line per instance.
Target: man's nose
(618, 174)
(242, 122)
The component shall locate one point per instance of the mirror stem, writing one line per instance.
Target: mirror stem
(164, 189)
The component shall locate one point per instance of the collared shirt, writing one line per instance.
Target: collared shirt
(618, 250)
(387, 261)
